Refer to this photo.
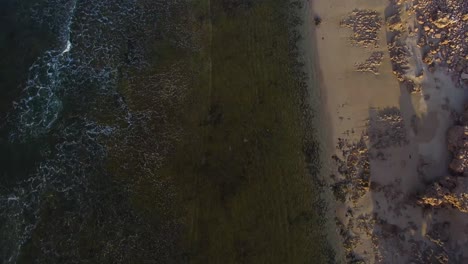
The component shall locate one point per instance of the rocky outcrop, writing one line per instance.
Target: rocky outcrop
(353, 179)
(372, 63)
(366, 25)
(437, 29)
(443, 35)
(387, 129)
(451, 191)
(396, 41)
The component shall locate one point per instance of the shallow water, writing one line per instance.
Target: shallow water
(142, 131)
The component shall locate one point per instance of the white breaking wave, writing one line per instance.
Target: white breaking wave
(67, 48)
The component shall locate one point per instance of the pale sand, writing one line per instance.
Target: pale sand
(395, 228)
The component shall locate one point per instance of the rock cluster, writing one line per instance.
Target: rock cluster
(366, 26)
(411, 86)
(399, 55)
(443, 35)
(387, 129)
(371, 64)
(354, 170)
(440, 31)
(448, 192)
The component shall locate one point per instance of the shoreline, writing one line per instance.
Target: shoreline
(322, 116)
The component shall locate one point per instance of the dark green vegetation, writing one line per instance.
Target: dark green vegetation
(243, 165)
(211, 158)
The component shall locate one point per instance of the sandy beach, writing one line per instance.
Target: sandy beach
(388, 108)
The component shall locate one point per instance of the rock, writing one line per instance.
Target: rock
(443, 22)
(317, 20)
(366, 25)
(387, 128)
(457, 166)
(449, 192)
(371, 64)
(442, 34)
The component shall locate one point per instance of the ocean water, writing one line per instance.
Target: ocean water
(53, 126)
(115, 136)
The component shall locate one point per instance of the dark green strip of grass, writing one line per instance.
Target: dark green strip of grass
(246, 191)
